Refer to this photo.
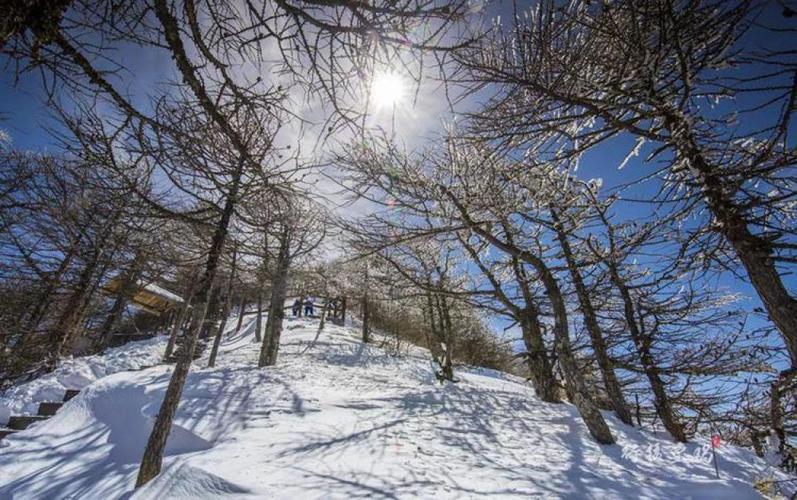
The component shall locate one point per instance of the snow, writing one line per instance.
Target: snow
(77, 373)
(162, 292)
(339, 419)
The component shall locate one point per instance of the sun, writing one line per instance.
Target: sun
(387, 90)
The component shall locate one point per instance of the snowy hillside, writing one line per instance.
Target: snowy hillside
(337, 419)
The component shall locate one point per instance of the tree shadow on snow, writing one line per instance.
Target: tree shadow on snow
(114, 422)
(522, 447)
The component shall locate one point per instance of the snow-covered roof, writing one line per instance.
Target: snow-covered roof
(148, 295)
(162, 292)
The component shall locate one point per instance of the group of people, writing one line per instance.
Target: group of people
(308, 307)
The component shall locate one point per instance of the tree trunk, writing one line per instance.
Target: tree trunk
(661, 400)
(610, 381)
(366, 333)
(576, 387)
(440, 343)
(72, 315)
(581, 398)
(776, 420)
(433, 341)
(168, 319)
(240, 317)
(73, 311)
(45, 297)
(126, 290)
(43, 303)
(259, 319)
(448, 339)
(152, 460)
(322, 321)
(343, 311)
(274, 321)
(212, 313)
(119, 305)
(224, 313)
(269, 349)
(758, 447)
(542, 376)
(181, 318)
(755, 252)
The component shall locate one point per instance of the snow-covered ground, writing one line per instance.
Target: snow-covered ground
(77, 373)
(338, 419)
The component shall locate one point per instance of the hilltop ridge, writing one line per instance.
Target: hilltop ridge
(339, 419)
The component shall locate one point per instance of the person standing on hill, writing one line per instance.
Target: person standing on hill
(297, 306)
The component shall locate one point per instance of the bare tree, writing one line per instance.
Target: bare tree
(300, 231)
(464, 201)
(569, 78)
(225, 311)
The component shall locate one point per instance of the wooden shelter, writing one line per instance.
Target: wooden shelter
(147, 296)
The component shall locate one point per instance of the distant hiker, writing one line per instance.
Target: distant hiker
(297, 306)
(308, 307)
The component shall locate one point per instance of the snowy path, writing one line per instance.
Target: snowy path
(336, 419)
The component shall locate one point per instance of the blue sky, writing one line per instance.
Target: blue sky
(27, 116)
